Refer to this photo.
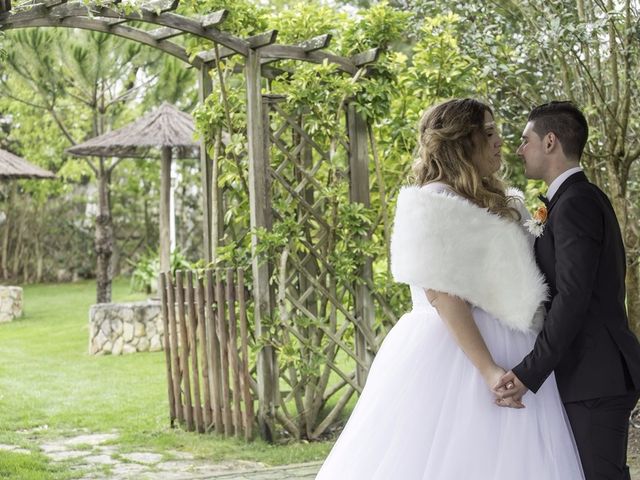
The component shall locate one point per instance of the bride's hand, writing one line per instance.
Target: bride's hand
(492, 376)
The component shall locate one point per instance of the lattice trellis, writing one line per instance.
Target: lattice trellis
(325, 342)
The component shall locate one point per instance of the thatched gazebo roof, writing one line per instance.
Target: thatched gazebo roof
(166, 126)
(166, 129)
(12, 166)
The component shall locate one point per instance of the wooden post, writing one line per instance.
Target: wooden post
(221, 328)
(173, 343)
(206, 87)
(184, 356)
(260, 216)
(165, 193)
(359, 192)
(215, 382)
(167, 347)
(204, 357)
(192, 326)
(5, 6)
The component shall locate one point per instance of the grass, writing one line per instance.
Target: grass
(51, 387)
(35, 466)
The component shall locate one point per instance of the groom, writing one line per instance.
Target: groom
(586, 338)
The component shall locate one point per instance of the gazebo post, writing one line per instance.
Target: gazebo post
(206, 87)
(165, 193)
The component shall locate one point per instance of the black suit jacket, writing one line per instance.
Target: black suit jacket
(586, 338)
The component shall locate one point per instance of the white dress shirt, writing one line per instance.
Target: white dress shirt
(555, 185)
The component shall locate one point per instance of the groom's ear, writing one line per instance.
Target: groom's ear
(549, 142)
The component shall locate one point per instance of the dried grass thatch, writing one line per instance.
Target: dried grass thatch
(164, 127)
(12, 166)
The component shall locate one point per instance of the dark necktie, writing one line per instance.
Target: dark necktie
(544, 200)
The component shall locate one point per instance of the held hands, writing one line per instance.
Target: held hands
(496, 376)
(509, 391)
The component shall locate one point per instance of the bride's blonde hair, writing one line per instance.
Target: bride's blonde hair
(449, 134)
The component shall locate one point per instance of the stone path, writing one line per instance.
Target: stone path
(305, 471)
(91, 455)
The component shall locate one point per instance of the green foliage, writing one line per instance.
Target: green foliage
(379, 26)
(352, 248)
(146, 271)
(305, 20)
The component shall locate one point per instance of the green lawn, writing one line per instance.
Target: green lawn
(51, 387)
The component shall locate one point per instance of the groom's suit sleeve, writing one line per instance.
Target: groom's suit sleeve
(578, 231)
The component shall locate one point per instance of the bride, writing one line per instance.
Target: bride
(427, 411)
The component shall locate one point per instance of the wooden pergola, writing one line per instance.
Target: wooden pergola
(159, 27)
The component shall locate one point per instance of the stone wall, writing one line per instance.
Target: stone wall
(10, 303)
(119, 328)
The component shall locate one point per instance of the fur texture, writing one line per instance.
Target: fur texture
(446, 243)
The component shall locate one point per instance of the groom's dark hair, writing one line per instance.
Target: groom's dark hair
(566, 121)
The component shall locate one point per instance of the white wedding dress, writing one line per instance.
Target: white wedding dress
(426, 413)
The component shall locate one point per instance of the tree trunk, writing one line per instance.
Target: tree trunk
(633, 278)
(19, 248)
(7, 229)
(104, 236)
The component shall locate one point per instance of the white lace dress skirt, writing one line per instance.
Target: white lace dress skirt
(426, 413)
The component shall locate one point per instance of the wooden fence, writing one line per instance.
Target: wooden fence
(206, 346)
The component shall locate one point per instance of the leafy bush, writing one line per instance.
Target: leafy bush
(144, 277)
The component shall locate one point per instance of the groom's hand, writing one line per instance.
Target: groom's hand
(509, 388)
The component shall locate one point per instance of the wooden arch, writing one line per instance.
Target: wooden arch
(259, 51)
(105, 18)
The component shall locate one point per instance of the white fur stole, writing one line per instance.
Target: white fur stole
(446, 243)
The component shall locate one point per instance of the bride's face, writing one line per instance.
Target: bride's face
(487, 154)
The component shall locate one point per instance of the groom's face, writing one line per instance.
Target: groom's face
(531, 152)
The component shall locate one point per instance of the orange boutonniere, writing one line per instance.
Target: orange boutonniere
(540, 214)
(536, 224)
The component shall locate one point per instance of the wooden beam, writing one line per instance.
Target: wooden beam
(116, 21)
(21, 12)
(272, 72)
(185, 24)
(272, 53)
(107, 26)
(163, 33)
(256, 41)
(171, 6)
(54, 3)
(366, 57)
(160, 6)
(214, 19)
(316, 43)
